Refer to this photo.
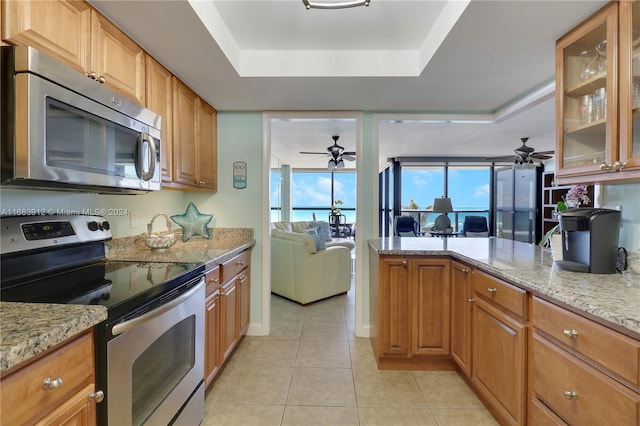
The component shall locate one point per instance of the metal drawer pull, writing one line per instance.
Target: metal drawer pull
(571, 395)
(241, 263)
(51, 384)
(572, 334)
(465, 270)
(471, 300)
(492, 290)
(97, 396)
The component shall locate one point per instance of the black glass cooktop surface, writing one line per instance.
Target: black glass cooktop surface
(107, 283)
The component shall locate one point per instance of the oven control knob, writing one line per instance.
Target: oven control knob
(106, 226)
(93, 225)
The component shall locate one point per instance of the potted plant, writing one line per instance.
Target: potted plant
(335, 210)
(576, 196)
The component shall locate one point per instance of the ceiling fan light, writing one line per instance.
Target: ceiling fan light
(332, 164)
(340, 164)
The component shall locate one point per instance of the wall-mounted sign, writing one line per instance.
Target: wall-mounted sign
(240, 175)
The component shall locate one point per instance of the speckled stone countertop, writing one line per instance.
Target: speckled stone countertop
(612, 298)
(223, 244)
(29, 329)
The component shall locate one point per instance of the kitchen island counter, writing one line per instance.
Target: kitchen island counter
(613, 299)
(29, 329)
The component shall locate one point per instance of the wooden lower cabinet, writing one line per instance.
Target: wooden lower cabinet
(461, 315)
(228, 310)
(411, 327)
(499, 362)
(24, 400)
(578, 393)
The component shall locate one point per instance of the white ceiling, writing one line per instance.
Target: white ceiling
(481, 59)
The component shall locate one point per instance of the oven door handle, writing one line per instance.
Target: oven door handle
(128, 325)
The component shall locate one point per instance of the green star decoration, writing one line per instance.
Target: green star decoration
(193, 223)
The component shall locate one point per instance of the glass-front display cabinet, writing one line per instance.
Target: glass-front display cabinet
(586, 95)
(598, 99)
(630, 85)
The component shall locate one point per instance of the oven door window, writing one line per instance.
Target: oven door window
(78, 140)
(159, 369)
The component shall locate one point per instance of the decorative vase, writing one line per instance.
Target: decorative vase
(556, 246)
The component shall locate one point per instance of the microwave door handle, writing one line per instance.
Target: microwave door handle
(145, 139)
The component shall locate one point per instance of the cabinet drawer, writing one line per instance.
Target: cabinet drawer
(540, 415)
(577, 392)
(502, 294)
(212, 278)
(233, 266)
(617, 353)
(23, 390)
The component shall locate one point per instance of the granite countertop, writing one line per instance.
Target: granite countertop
(612, 298)
(29, 329)
(224, 244)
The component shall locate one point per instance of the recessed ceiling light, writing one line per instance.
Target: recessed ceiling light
(309, 4)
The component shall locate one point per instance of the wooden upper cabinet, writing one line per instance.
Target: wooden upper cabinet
(206, 161)
(594, 110)
(185, 106)
(194, 141)
(62, 29)
(79, 36)
(117, 58)
(160, 100)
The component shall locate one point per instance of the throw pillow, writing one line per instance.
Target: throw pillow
(324, 229)
(306, 239)
(321, 244)
(282, 226)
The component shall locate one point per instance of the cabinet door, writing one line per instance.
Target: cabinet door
(586, 96)
(212, 337)
(117, 58)
(160, 100)
(228, 318)
(61, 29)
(207, 161)
(185, 133)
(429, 306)
(630, 84)
(244, 284)
(498, 370)
(394, 314)
(461, 310)
(78, 410)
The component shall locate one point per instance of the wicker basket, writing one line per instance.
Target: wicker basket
(159, 242)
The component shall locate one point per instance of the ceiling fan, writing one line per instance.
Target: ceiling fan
(337, 154)
(524, 156)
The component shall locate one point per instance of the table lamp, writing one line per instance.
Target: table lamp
(442, 205)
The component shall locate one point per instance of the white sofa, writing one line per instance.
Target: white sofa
(301, 226)
(301, 273)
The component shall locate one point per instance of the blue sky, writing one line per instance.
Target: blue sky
(468, 188)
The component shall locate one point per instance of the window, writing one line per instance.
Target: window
(468, 186)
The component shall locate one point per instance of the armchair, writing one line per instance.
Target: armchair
(475, 226)
(405, 226)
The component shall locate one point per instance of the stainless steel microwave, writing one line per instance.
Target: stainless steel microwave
(60, 129)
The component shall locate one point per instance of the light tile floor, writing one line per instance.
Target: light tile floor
(312, 370)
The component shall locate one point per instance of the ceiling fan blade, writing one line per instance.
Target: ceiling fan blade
(541, 156)
(318, 153)
(550, 152)
(348, 157)
(349, 153)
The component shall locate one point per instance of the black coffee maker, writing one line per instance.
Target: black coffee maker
(589, 240)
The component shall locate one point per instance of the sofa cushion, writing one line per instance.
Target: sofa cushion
(300, 226)
(308, 240)
(282, 226)
(323, 228)
(321, 244)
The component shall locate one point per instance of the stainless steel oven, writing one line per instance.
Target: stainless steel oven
(155, 359)
(61, 129)
(150, 349)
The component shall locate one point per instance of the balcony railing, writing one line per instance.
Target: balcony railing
(427, 218)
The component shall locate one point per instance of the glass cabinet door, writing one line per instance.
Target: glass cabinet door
(586, 95)
(630, 85)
